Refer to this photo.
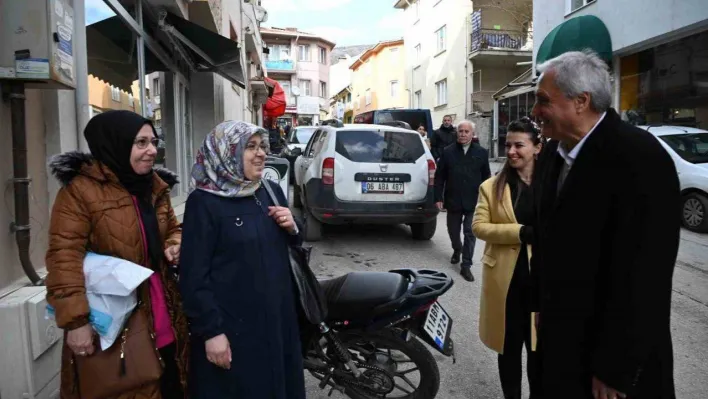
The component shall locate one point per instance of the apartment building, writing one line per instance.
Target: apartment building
(378, 78)
(300, 62)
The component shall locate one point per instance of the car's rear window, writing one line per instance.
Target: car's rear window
(379, 146)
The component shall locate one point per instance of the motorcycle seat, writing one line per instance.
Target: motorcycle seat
(356, 294)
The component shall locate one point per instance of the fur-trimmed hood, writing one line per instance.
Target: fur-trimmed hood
(65, 167)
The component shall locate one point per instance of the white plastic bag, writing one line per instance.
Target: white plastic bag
(110, 289)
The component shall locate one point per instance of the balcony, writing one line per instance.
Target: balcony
(287, 66)
(500, 46)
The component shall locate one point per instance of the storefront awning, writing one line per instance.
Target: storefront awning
(577, 34)
(209, 51)
(112, 55)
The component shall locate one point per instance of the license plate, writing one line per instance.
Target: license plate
(437, 325)
(381, 188)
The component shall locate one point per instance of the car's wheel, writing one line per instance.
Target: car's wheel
(297, 199)
(424, 231)
(313, 227)
(694, 212)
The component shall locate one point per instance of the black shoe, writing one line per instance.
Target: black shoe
(455, 258)
(467, 274)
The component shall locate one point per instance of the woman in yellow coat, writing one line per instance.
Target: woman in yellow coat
(502, 219)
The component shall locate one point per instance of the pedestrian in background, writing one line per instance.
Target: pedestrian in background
(503, 219)
(443, 137)
(424, 135)
(461, 169)
(235, 274)
(114, 203)
(606, 240)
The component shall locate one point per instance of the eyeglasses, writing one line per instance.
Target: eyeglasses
(255, 147)
(143, 142)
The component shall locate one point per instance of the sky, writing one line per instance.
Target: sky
(345, 22)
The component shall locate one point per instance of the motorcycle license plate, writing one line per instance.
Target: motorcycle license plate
(437, 325)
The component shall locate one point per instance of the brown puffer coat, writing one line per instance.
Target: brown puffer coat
(93, 212)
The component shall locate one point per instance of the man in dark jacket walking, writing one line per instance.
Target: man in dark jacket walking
(443, 137)
(462, 168)
(606, 239)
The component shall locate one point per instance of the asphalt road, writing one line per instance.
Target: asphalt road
(381, 248)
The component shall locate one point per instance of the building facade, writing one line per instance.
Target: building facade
(461, 52)
(660, 55)
(191, 100)
(378, 78)
(300, 62)
(340, 87)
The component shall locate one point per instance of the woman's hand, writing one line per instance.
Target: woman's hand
(283, 217)
(218, 351)
(80, 340)
(172, 254)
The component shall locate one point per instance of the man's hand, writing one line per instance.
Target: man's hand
(80, 340)
(172, 254)
(218, 351)
(439, 204)
(602, 391)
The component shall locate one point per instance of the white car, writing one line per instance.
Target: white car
(689, 150)
(295, 144)
(367, 174)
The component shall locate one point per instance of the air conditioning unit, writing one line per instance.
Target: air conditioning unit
(37, 43)
(30, 347)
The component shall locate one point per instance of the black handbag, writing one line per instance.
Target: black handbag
(312, 299)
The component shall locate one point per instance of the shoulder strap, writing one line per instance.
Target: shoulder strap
(271, 194)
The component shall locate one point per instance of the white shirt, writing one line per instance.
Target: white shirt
(466, 147)
(570, 156)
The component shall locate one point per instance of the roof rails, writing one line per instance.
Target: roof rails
(401, 124)
(332, 122)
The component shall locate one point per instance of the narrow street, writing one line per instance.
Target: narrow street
(381, 248)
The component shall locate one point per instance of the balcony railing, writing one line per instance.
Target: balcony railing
(280, 65)
(499, 40)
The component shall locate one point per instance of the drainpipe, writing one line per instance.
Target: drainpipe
(468, 21)
(21, 181)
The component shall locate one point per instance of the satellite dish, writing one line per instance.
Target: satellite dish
(295, 90)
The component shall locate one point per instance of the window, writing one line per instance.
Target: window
(418, 100)
(306, 87)
(349, 98)
(278, 52)
(440, 39)
(575, 4)
(368, 96)
(417, 10)
(377, 146)
(156, 87)
(323, 90)
(417, 54)
(131, 100)
(394, 55)
(304, 52)
(323, 55)
(394, 88)
(115, 93)
(441, 90)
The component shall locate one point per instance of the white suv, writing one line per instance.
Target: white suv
(367, 174)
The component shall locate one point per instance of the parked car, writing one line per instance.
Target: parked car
(368, 174)
(689, 150)
(295, 144)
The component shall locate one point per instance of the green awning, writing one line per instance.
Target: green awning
(577, 34)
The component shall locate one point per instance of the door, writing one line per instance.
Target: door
(303, 162)
(185, 138)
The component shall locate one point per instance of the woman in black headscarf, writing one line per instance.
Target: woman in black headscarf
(114, 203)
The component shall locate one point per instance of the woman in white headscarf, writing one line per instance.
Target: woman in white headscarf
(235, 273)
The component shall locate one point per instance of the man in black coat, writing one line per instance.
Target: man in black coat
(606, 240)
(443, 137)
(461, 169)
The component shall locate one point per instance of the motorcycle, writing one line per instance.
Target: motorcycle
(370, 346)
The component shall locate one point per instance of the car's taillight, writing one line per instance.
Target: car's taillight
(328, 171)
(431, 172)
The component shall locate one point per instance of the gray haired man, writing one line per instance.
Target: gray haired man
(606, 240)
(462, 168)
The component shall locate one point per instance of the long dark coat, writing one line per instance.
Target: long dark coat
(235, 279)
(603, 263)
(459, 175)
